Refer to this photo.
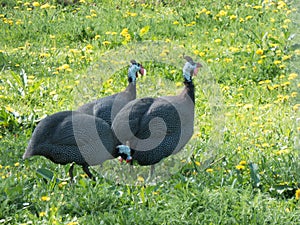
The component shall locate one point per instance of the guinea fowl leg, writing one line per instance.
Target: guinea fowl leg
(152, 171)
(87, 171)
(151, 174)
(71, 172)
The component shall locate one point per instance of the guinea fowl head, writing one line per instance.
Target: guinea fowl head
(190, 69)
(124, 152)
(133, 70)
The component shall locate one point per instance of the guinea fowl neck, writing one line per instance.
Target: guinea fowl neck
(189, 90)
(131, 88)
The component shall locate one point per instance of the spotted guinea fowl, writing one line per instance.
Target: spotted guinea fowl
(70, 136)
(106, 108)
(155, 128)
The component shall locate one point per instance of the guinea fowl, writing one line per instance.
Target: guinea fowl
(70, 136)
(106, 108)
(155, 128)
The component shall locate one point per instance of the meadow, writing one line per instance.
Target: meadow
(244, 167)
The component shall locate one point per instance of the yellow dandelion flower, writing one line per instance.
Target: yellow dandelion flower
(201, 54)
(44, 55)
(257, 7)
(234, 49)
(294, 94)
(124, 32)
(259, 52)
(297, 194)
(243, 162)
(197, 163)
(286, 57)
(178, 84)
(72, 223)
(209, 170)
(285, 84)
(97, 37)
(232, 17)
(292, 76)
(41, 214)
(222, 13)
(17, 164)
(45, 6)
(175, 22)
(265, 145)
(45, 198)
(18, 22)
(140, 179)
(225, 88)
(227, 60)
(281, 5)
(65, 66)
(89, 46)
(106, 42)
(277, 62)
(9, 109)
(36, 4)
(240, 167)
(218, 40)
(296, 107)
(144, 30)
(282, 66)
(283, 151)
(62, 184)
(132, 14)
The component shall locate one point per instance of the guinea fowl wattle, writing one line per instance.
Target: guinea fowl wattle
(70, 136)
(155, 128)
(106, 108)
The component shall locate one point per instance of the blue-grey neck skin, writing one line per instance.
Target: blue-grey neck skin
(133, 69)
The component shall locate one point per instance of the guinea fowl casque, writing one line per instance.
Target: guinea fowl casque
(106, 108)
(155, 128)
(70, 136)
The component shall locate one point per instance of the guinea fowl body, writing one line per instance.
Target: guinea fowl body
(106, 108)
(157, 127)
(70, 136)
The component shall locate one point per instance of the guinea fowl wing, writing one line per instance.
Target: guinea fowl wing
(127, 122)
(161, 129)
(92, 135)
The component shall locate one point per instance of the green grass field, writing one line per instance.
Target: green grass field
(245, 163)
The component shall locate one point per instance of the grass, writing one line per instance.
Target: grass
(245, 163)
